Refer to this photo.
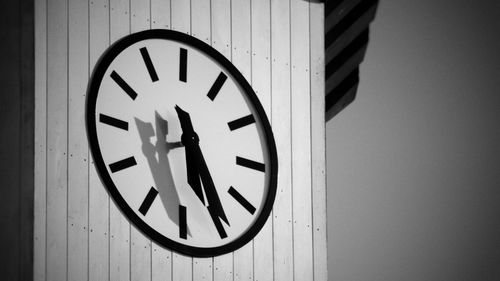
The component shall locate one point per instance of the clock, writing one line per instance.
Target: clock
(181, 142)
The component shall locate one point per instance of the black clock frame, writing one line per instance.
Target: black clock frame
(92, 92)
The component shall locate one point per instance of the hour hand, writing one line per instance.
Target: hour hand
(186, 125)
(193, 172)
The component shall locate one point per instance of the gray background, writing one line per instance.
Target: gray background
(414, 163)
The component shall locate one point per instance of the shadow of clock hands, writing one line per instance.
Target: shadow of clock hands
(157, 158)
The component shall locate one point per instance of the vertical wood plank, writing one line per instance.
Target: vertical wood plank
(119, 227)
(140, 247)
(241, 58)
(140, 256)
(140, 11)
(160, 14)
(161, 268)
(261, 52)
(202, 269)
(221, 40)
(261, 83)
(181, 17)
(318, 142)
(182, 266)
(241, 36)
(281, 116)
(301, 140)
(200, 14)
(161, 258)
(40, 196)
(200, 28)
(98, 196)
(57, 139)
(77, 141)
(221, 26)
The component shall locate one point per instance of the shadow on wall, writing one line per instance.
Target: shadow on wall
(157, 156)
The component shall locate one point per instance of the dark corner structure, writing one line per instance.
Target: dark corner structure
(16, 139)
(346, 38)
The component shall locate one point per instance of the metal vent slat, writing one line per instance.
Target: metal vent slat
(346, 39)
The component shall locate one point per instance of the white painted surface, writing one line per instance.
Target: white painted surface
(260, 49)
(78, 69)
(99, 210)
(119, 227)
(40, 177)
(80, 234)
(318, 142)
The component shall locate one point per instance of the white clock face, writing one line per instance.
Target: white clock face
(181, 142)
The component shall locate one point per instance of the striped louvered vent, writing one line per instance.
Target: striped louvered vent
(346, 39)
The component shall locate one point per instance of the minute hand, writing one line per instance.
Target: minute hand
(214, 205)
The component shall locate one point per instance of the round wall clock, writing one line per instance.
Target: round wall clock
(181, 142)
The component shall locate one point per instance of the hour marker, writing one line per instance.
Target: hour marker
(250, 164)
(214, 90)
(122, 164)
(244, 202)
(218, 224)
(148, 201)
(108, 120)
(182, 222)
(149, 64)
(183, 65)
(119, 80)
(241, 122)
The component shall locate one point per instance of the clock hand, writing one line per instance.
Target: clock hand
(214, 203)
(190, 141)
(197, 167)
(186, 126)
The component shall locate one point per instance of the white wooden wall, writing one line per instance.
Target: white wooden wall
(79, 233)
